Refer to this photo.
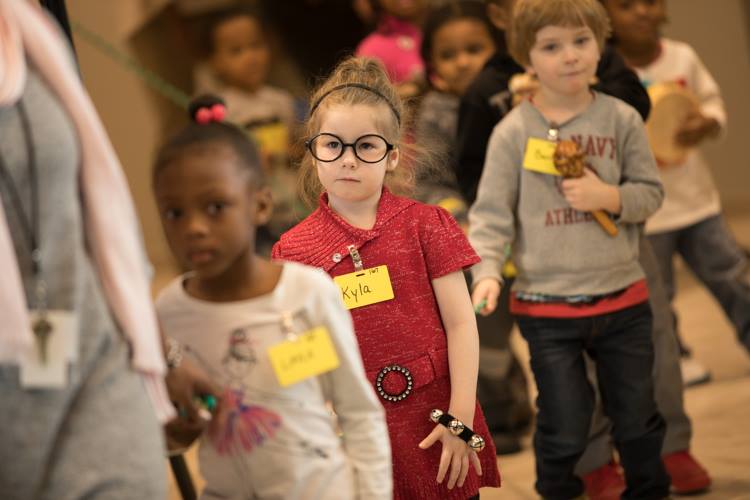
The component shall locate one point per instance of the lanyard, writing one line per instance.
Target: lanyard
(29, 222)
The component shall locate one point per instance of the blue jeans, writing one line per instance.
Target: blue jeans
(621, 346)
(716, 259)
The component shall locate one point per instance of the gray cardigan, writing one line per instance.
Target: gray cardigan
(557, 249)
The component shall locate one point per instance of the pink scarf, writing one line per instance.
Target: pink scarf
(111, 225)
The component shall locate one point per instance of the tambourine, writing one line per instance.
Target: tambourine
(671, 104)
(522, 86)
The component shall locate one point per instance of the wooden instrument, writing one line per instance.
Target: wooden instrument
(568, 160)
(671, 104)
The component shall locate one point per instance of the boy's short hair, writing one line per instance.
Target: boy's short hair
(530, 16)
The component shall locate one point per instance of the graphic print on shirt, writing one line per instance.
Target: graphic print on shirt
(597, 146)
(565, 216)
(241, 425)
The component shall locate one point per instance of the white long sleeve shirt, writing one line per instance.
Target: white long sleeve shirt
(282, 442)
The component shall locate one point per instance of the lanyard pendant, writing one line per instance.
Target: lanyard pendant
(41, 326)
(42, 330)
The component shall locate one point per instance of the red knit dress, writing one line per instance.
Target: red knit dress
(418, 243)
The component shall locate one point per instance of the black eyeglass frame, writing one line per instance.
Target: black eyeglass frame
(388, 147)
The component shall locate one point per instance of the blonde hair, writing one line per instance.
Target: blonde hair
(530, 16)
(355, 81)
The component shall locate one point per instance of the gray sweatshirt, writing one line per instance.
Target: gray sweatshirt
(557, 249)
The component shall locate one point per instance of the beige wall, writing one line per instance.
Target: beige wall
(718, 30)
(136, 117)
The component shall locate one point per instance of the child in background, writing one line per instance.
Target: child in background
(458, 40)
(399, 265)
(396, 43)
(578, 289)
(239, 58)
(271, 437)
(690, 221)
(636, 36)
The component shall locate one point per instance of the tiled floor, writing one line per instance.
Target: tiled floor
(720, 410)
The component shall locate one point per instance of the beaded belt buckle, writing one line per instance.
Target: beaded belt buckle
(395, 369)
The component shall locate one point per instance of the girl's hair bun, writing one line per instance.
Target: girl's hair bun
(207, 108)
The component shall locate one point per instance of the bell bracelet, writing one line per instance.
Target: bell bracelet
(458, 428)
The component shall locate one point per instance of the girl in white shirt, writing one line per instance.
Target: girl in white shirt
(272, 435)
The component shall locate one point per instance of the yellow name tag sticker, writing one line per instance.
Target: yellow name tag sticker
(310, 354)
(539, 156)
(362, 288)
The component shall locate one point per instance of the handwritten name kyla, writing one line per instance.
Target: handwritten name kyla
(355, 293)
(362, 288)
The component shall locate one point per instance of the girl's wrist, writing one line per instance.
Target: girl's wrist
(462, 414)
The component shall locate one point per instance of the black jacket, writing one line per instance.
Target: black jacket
(487, 101)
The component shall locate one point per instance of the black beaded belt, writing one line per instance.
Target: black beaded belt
(395, 369)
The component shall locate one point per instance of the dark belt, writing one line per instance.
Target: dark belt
(396, 381)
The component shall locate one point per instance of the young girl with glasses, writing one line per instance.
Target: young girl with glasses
(398, 264)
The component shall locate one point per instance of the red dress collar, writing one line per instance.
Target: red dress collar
(389, 206)
(322, 239)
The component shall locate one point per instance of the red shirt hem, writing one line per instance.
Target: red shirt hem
(634, 294)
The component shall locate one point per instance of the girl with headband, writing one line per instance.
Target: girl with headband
(399, 266)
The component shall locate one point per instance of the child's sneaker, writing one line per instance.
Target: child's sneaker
(604, 483)
(688, 476)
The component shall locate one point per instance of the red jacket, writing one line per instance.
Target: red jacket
(418, 243)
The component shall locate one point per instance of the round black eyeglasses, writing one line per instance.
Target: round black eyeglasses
(370, 148)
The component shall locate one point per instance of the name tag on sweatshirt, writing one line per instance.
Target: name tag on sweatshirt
(539, 156)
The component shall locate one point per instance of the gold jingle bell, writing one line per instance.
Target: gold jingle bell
(435, 415)
(476, 443)
(456, 426)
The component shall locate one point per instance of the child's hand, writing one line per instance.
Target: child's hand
(185, 384)
(181, 432)
(696, 128)
(588, 193)
(456, 454)
(522, 86)
(485, 294)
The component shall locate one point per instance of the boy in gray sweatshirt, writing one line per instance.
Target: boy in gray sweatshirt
(578, 288)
